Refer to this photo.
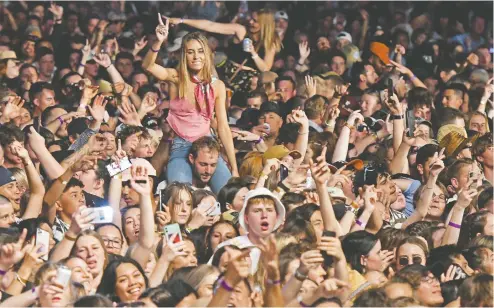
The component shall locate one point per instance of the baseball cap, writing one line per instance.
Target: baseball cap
(356, 164)
(280, 151)
(262, 192)
(270, 107)
(248, 119)
(6, 176)
(381, 51)
(281, 15)
(126, 176)
(344, 36)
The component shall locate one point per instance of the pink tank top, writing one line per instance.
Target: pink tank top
(188, 120)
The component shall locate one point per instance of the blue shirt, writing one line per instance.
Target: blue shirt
(408, 193)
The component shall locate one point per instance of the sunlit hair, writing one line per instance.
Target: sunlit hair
(172, 194)
(268, 35)
(183, 71)
(20, 177)
(260, 200)
(252, 164)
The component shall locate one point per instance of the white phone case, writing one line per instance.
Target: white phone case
(63, 275)
(216, 211)
(171, 230)
(104, 214)
(43, 239)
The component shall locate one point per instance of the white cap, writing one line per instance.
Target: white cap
(126, 176)
(344, 35)
(280, 15)
(258, 192)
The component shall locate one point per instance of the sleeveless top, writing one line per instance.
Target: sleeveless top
(236, 53)
(190, 120)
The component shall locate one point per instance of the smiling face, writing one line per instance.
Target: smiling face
(80, 272)
(195, 55)
(260, 216)
(89, 249)
(132, 224)
(130, 282)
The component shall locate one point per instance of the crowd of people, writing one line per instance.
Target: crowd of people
(246, 154)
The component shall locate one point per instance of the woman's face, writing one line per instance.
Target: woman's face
(238, 201)
(89, 249)
(80, 273)
(150, 265)
(23, 118)
(130, 282)
(429, 291)
(182, 206)
(254, 26)
(373, 262)
(195, 55)
(400, 202)
(55, 299)
(438, 204)
(189, 259)
(74, 60)
(132, 224)
(205, 289)
(409, 254)
(317, 223)
(221, 233)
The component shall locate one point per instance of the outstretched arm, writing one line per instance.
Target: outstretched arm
(223, 129)
(228, 29)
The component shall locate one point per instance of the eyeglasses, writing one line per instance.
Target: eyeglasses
(404, 260)
(441, 197)
(114, 242)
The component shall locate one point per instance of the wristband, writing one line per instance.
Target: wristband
(225, 285)
(299, 276)
(255, 56)
(181, 21)
(61, 120)
(300, 302)
(360, 223)
(258, 140)
(273, 282)
(452, 224)
(305, 133)
(80, 64)
(22, 281)
(397, 117)
(106, 67)
(349, 126)
(157, 50)
(33, 291)
(70, 238)
(2, 273)
(413, 77)
(283, 186)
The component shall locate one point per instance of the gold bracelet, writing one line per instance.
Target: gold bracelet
(22, 281)
(70, 238)
(349, 126)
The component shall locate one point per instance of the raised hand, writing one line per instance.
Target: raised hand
(119, 153)
(129, 114)
(34, 138)
(354, 116)
(103, 59)
(393, 103)
(89, 90)
(331, 288)
(88, 162)
(466, 195)
(299, 116)
(365, 15)
(341, 90)
(401, 68)
(162, 28)
(200, 216)
(320, 170)
(369, 195)
(140, 180)
(334, 113)
(238, 268)
(56, 10)
(163, 218)
(304, 50)
(97, 111)
(86, 50)
(122, 89)
(96, 145)
(139, 45)
(149, 103)
(399, 49)
(12, 253)
(269, 257)
(310, 260)
(436, 164)
(310, 85)
(18, 150)
(170, 250)
(332, 246)
(102, 24)
(12, 109)
(473, 59)
(81, 220)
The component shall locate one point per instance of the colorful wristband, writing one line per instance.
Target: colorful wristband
(273, 282)
(153, 50)
(452, 224)
(226, 286)
(2, 273)
(61, 120)
(360, 223)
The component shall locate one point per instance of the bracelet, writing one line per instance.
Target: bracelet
(117, 176)
(283, 186)
(259, 140)
(61, 120)
(397, 117)
(225, 285)
(300, 302)
(157, 50)
(273, 282)
(305, 133)
(413, 77)
(300, 64)
(452, 224)
(22, 281)
(2, 273)
(106, 67)
(349, 126)
(255, 56)
(299, 276)
(82, 65)
(263, 174)
(33, 291)
(70, 238)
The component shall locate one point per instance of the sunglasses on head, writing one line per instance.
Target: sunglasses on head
(404, 261)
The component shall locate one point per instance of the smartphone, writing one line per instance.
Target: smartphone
(283, 172)
(104, 214)
(63, 275)
(114, 168)
(459, 273)
(328, 260)
(43, 239)
(410, 122)
(171, 230)
(217, 209)
(389, 84)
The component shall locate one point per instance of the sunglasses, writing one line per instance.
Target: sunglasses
(404, 261)
(362, 128)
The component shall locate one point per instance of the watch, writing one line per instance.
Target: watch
(299, 276)
(397, 117)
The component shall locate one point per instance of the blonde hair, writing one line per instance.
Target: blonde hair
(20, 176)
(268, 36)
(252, 164)
(206, 72)
(260, 200)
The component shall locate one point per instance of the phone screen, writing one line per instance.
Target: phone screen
(283, 172)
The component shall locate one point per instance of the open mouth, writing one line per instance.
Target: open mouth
(91, 264)
(134, 290)
(56, 299)
(264, 226)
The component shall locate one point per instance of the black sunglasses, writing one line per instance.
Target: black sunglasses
(404, 261)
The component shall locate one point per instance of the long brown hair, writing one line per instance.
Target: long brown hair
(183, 72)
(268, 36)
(172, 193)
